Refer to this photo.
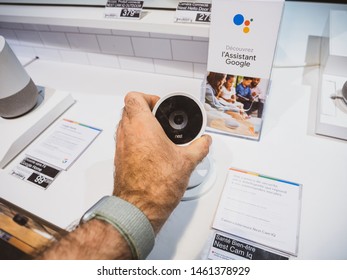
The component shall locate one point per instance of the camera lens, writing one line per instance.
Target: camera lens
(178, 120)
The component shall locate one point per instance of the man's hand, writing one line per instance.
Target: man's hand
(151, 171)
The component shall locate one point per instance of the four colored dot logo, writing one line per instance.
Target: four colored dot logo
(240, 19)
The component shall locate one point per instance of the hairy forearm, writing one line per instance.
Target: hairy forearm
(95, 240)
(151, 173)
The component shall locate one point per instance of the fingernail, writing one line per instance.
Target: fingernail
(208, 138)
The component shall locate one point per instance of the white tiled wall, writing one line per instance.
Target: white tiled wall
(140, 51)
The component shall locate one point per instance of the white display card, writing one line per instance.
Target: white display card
(63, 144)
(243, 36)
(242, 42)
(261, 209)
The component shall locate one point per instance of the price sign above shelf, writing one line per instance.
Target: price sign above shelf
(123, 9)
(193, 12)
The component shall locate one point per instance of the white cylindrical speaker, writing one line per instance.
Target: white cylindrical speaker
(18, 93)
(344, 92)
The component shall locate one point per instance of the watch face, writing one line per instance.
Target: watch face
(90, 214)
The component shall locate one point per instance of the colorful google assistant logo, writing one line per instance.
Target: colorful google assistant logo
(240, 19)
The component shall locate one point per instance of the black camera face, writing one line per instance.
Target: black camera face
(181, 118)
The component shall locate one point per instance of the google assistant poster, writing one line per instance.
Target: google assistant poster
(243, 36)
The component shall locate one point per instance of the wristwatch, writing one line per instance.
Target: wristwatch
(130, 221)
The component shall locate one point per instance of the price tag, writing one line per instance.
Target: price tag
(123, 9)
(36, 172)
(193, 12)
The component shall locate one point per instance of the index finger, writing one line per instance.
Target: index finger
(138, 102)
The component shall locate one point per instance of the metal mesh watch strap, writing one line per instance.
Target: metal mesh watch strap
(128, 220)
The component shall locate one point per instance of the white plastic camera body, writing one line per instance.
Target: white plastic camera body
(183, 118)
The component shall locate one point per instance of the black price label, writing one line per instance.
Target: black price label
(243, 250)
(193, 12)
(124, 4)
(123, 9)
(201, 17)
(40, 180)
(37, 172)
(130, 13)
(40, 167)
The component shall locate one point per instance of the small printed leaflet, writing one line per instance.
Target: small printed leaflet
(123, 9)
(193, 12)
(259, 212)
(63, 144)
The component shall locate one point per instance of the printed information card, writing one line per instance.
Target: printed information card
(64, 144)
(243, 36)
(242, 43)
(261, 209)
(55, 152)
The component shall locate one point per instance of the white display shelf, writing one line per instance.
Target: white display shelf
(157, 21)
(20, 132)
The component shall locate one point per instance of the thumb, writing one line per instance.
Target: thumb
(199, 148)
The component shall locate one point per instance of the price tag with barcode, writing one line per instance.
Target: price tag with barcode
(123, 9)
(36, 172)
(193, 12)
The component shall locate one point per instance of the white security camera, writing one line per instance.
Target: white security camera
(182, 117)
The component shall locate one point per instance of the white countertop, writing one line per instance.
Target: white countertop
(288, 149)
